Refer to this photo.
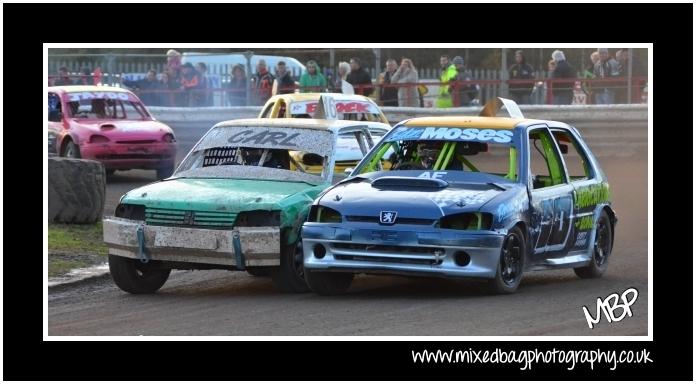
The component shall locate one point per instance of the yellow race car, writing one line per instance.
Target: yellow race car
(336, 106)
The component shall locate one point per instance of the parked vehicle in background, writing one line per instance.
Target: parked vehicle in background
(110, 125)
(222, 63)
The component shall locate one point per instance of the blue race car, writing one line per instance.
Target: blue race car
(464, 197)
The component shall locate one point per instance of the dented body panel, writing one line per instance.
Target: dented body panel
(397, 221)
(198, 214)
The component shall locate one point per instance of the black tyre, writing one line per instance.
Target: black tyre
(76, 190)
(134, 276)
(604, 238)
(328, 283)
(72, 150)
(165, 171)
(259, 271)
(511, 264)
(289, 277)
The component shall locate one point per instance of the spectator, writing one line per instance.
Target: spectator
(449, 74)
(174, 63)
(463, 95)
(262, 83)
(520, 92)
(63, 77)
(406, 74)
(589, 74)
(389, 96)
(606, 68)
(178, 96)
(171, 86)
(236, 96)
(286, 84)
(148, 88)
(359, 78)
(343, 71)
(312, 80)
(562, 90)
(85, 77)
(206, 96)
(191, 84)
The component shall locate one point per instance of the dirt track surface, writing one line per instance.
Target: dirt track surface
(234, 303)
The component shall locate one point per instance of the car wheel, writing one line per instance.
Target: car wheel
(134, 276)
(72, 151)
(289, 277)
(602, 249)
(258, 271)
(511, 263)
(328, 283)
(165, 171)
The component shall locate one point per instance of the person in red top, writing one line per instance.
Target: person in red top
(191, 83)
(262, 83)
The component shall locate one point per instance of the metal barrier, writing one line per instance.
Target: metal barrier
(576, 91)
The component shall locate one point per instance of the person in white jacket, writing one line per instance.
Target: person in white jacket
(407, 74)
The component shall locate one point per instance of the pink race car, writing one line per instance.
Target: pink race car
(110, 125)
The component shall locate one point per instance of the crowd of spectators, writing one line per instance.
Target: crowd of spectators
(398, 85)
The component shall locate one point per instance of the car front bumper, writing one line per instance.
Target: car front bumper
(401, 251)
(123, 156)
(253, 246)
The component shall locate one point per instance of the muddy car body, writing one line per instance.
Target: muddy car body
(237, 202)
(466, 197)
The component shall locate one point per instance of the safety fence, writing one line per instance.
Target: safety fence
(212, 91)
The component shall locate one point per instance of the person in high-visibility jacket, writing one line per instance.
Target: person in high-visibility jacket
(449, 73)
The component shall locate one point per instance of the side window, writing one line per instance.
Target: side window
(54, 108)
(544, 161)
(576, 161)
(267, 110)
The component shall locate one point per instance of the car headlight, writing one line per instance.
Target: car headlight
(130, 211)
(466, 221)
(321, 214)
(258, 219)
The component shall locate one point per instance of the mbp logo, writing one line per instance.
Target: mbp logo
(610, 305)
(387, 217)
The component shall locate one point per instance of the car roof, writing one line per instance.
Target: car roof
(318, 124)
(465, 122)
(86, 88)
(315, 97)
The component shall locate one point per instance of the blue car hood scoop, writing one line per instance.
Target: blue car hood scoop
(398, 182)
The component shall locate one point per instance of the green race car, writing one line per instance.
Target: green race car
(236, 202)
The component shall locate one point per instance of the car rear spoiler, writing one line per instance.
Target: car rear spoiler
(493, 106)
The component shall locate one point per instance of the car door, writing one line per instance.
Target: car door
(587, 190)
(551, 195)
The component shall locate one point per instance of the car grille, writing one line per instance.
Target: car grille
(129, 156)
(136, 141)
(388, 253)
(196, 219)
(399, 220)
